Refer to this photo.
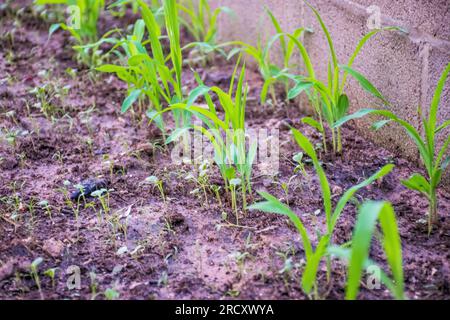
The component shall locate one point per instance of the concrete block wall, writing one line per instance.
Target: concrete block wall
(404, 67)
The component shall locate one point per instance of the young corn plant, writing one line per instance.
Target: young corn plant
(232, 154)
(434, 160)
(85, 14)
(315, 256)
(358, 254)
(200, 20)
(82, 27)
(287, 49)
(149, 74)
(271, 72)
(328, 98)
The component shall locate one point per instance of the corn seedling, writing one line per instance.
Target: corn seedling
(315, 256)
(358, 254)
(84, 16)
(231, 153)
(34, 272)
(201, 22)
(270, 72)
(434, 160)
(149, 75)
(328, 98)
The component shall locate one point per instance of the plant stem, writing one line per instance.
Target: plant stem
(339, 140)
(432, 214)
(233, 203)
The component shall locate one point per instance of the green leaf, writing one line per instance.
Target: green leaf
(368, 215)
(110, 68)
(417, 182)
(197, 92)
(53, 29)
(307, 146)
(128, 102)
(313, 123)
(379, 124)
(437, 97)
(365, 84)
(299, 87)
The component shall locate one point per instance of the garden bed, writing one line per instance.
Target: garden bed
(182, 248)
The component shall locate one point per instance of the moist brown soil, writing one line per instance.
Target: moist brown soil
(181, 249)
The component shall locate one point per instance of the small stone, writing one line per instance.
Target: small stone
(53, 247)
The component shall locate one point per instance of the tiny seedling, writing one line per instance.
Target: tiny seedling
(111, 294)
(153, 180)
(103, 195)
(46, 206)
(51, 273)
(83, 28)
(201, 179)
(34, 272)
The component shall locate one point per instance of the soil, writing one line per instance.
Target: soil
(182, 248)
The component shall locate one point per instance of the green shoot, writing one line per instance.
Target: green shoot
(148, 75)
(34, 272)
(314, 257)
(83, 27)
(200, 20)
(434, 160)
(358, 255)
(51, 273)
(153, 180)
(270, 72)
(46, 206)
(328, 98)
(231, 154)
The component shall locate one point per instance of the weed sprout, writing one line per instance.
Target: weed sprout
(153, 180)
(34, 272)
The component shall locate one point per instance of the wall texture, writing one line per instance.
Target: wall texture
(404, 67)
